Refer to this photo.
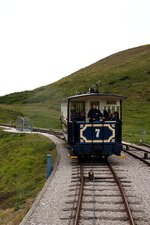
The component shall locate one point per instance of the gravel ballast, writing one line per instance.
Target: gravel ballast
(139, 175)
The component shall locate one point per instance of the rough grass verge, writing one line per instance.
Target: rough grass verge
(22, 172)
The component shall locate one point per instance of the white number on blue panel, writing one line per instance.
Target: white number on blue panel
(97, 131)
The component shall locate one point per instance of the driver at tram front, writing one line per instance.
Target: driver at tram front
(94, 114)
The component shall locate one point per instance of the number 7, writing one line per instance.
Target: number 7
(97, 131)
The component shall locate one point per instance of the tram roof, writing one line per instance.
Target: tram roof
(103, 95)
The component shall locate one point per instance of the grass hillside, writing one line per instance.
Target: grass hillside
(22, 173)
(126, 73)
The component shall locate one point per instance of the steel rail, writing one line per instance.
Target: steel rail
(73, 207)
(146, 145)
(79, 203)
(136, 147)
(56, 133)
(128, 210)
(137, 157)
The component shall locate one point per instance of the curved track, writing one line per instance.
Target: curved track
(41, 130)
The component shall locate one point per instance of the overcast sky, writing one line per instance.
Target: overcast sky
(42, 41)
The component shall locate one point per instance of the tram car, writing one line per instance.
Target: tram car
(101, 137)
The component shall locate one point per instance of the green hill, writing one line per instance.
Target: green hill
(126, 73)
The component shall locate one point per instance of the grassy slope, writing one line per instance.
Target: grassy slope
(22, 172)
(126, 73)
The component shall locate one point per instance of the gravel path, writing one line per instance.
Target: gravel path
(49, 207)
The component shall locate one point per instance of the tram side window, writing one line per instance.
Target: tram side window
(77, 111)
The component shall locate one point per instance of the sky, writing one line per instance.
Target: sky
(42, 41)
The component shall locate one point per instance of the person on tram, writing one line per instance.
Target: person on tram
(94, 114)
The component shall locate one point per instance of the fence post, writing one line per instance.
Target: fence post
(49, 165)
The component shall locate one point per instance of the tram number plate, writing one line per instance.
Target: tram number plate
(97, 131)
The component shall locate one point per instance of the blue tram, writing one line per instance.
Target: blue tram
(102, 137)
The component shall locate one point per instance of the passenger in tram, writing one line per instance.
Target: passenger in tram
(110, 115)
(94, 114)
(82, 116)
(116, 116)
(105, 115)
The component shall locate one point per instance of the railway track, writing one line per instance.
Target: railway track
(148, 146)
(98, 197)
(109, 178)
(138, 152)
(58, 134)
